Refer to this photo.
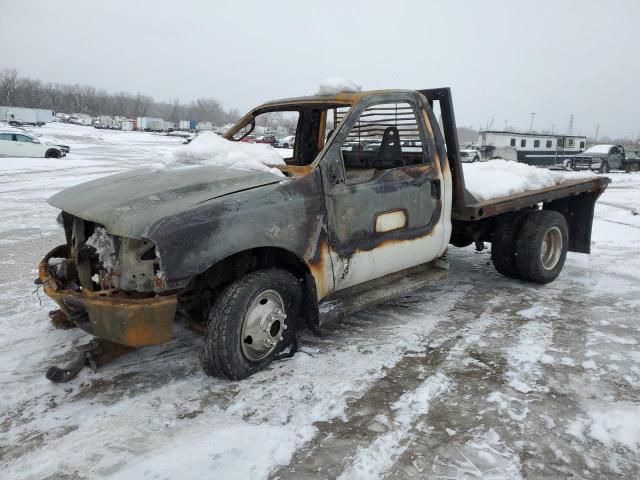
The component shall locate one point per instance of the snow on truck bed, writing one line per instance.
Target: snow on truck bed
(500, 178)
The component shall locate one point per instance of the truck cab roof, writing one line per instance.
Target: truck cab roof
(342, 98)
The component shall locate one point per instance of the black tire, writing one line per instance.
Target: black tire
(52, 153)
(537, 227)
(460, 241)
(503, 244)
(604, 167)
(475, 159)
(223, 354)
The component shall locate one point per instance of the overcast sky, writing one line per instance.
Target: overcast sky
(503, 59)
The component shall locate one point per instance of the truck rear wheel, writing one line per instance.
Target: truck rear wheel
(503, 244)
(541, 247)
(253, 319)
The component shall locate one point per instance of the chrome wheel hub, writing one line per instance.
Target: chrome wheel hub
(263, 326)
(551, 248)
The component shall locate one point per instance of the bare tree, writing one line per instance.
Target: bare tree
(8, 83)
(20, 91)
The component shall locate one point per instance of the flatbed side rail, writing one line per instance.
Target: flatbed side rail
(519, 201)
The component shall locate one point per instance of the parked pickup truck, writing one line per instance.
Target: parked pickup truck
(248, 257)
(603, 159)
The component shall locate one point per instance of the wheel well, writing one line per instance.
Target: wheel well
(203, 290)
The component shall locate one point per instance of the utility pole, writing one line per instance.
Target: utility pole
(533, 114)
(570, 132)
(595, 140)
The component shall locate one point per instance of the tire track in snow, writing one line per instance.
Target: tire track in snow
(373, 460)
(367, 425)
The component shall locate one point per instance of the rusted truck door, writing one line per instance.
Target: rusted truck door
(383, 190)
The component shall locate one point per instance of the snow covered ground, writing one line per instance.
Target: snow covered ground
(476, 377)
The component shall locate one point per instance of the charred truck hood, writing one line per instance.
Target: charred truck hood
(131, 204)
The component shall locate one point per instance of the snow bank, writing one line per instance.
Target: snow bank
(209, 148)
(499, 178)
(331, 86)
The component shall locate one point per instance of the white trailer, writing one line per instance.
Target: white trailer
(25, 116)
(204, 125)
(150, 124)
(541, 149)
(127, 125)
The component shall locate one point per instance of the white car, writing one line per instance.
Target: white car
(287, 142)
(15, 142)
(470, 155)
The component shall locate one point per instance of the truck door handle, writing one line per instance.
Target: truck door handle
(435, 189)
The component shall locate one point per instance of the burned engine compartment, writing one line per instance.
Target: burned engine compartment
(103, 261)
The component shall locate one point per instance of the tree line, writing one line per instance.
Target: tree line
(20, 91)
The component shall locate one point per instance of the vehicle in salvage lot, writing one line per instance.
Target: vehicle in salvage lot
(268, 139)
(287, 142)
(470, 155)
(16, 142)
(249, 257)
(604, 158)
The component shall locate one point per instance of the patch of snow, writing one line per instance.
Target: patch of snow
(332, 86)
(524, 357)
(486, 456)
(209, 148)
(104, 246)
(619, 423)
(59, 263)
(560, 455)
(499, 178)
(537, 311)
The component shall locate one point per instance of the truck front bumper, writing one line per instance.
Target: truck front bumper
(128, 318)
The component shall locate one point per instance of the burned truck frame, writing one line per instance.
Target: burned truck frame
(372, 194)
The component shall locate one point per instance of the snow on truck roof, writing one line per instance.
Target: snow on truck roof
(599, 148)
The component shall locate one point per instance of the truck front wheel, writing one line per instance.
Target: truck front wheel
(253, 319)
(541, 248)
(604, 167)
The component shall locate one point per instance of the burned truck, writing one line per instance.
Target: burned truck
(364, 210)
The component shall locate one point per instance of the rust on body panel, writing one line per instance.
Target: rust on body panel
(121, 317)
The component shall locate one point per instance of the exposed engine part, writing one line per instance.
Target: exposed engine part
(96, 353)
